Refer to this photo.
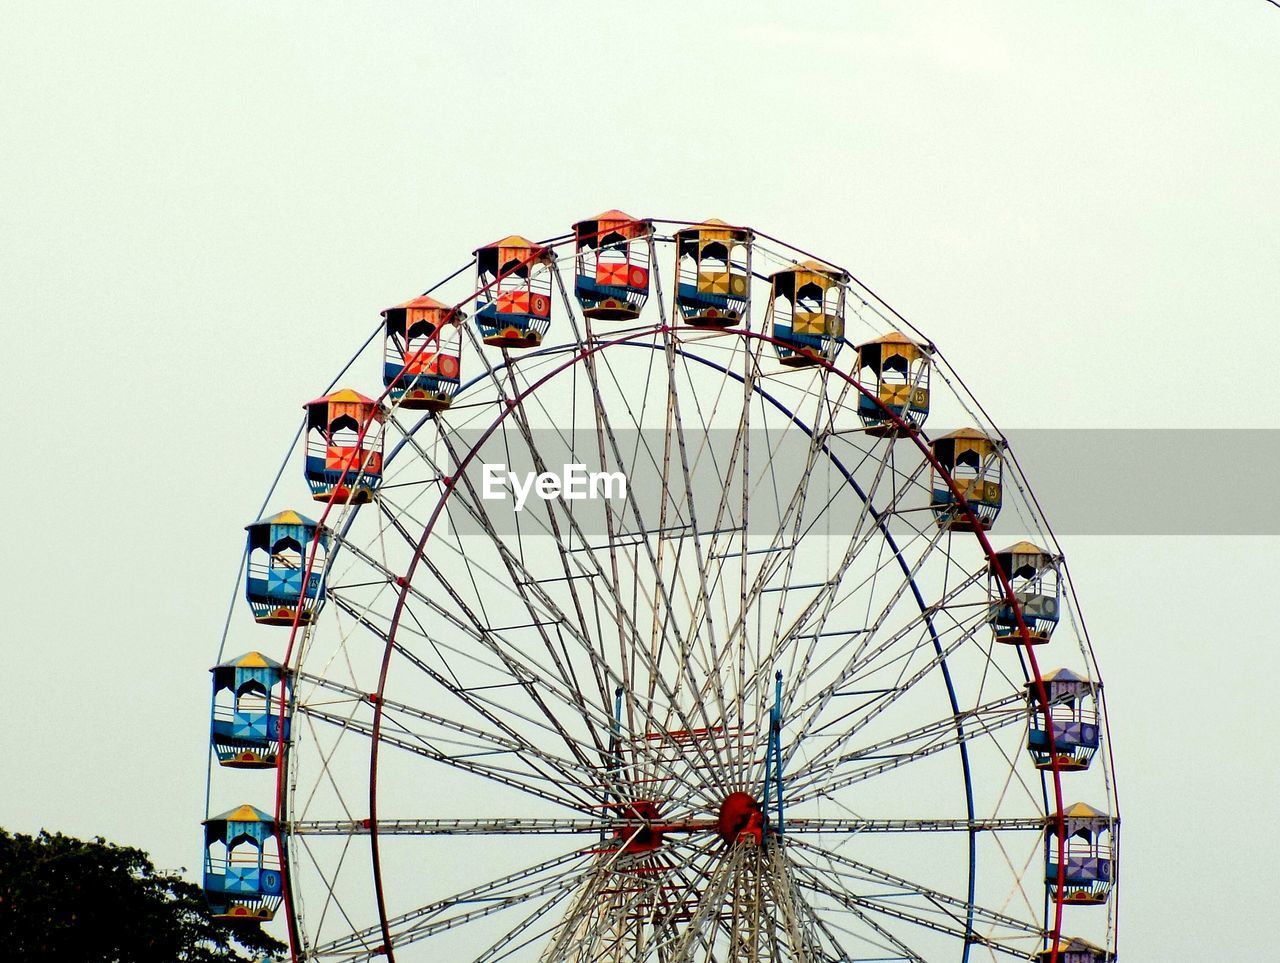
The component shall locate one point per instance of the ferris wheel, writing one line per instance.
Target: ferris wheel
(641, 618)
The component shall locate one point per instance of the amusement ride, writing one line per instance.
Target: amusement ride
(766, 685)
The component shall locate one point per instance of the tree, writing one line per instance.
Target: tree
(67, 900)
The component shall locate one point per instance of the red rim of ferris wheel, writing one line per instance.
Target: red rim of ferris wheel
(978, 531)
(1057, 818)
(573, 359)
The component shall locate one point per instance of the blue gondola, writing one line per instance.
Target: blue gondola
(276, 555)
(1072, 707)
(245, 729)
(242, 876)
(1088, 873)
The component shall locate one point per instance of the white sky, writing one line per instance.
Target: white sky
(206, 204)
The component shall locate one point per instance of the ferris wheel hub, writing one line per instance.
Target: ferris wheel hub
(646, 838)
(740, 817)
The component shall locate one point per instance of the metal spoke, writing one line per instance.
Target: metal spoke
(946, 924)
(546, 788)
(854, 869)
(814, 780)
(501, 893)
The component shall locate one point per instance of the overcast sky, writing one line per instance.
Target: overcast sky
(206, 204)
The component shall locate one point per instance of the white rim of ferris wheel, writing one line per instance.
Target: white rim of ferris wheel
(787, 883)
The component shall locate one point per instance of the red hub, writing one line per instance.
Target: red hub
(643, 839)
(740, 818)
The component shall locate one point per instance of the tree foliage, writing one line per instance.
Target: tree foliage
(67, 900)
